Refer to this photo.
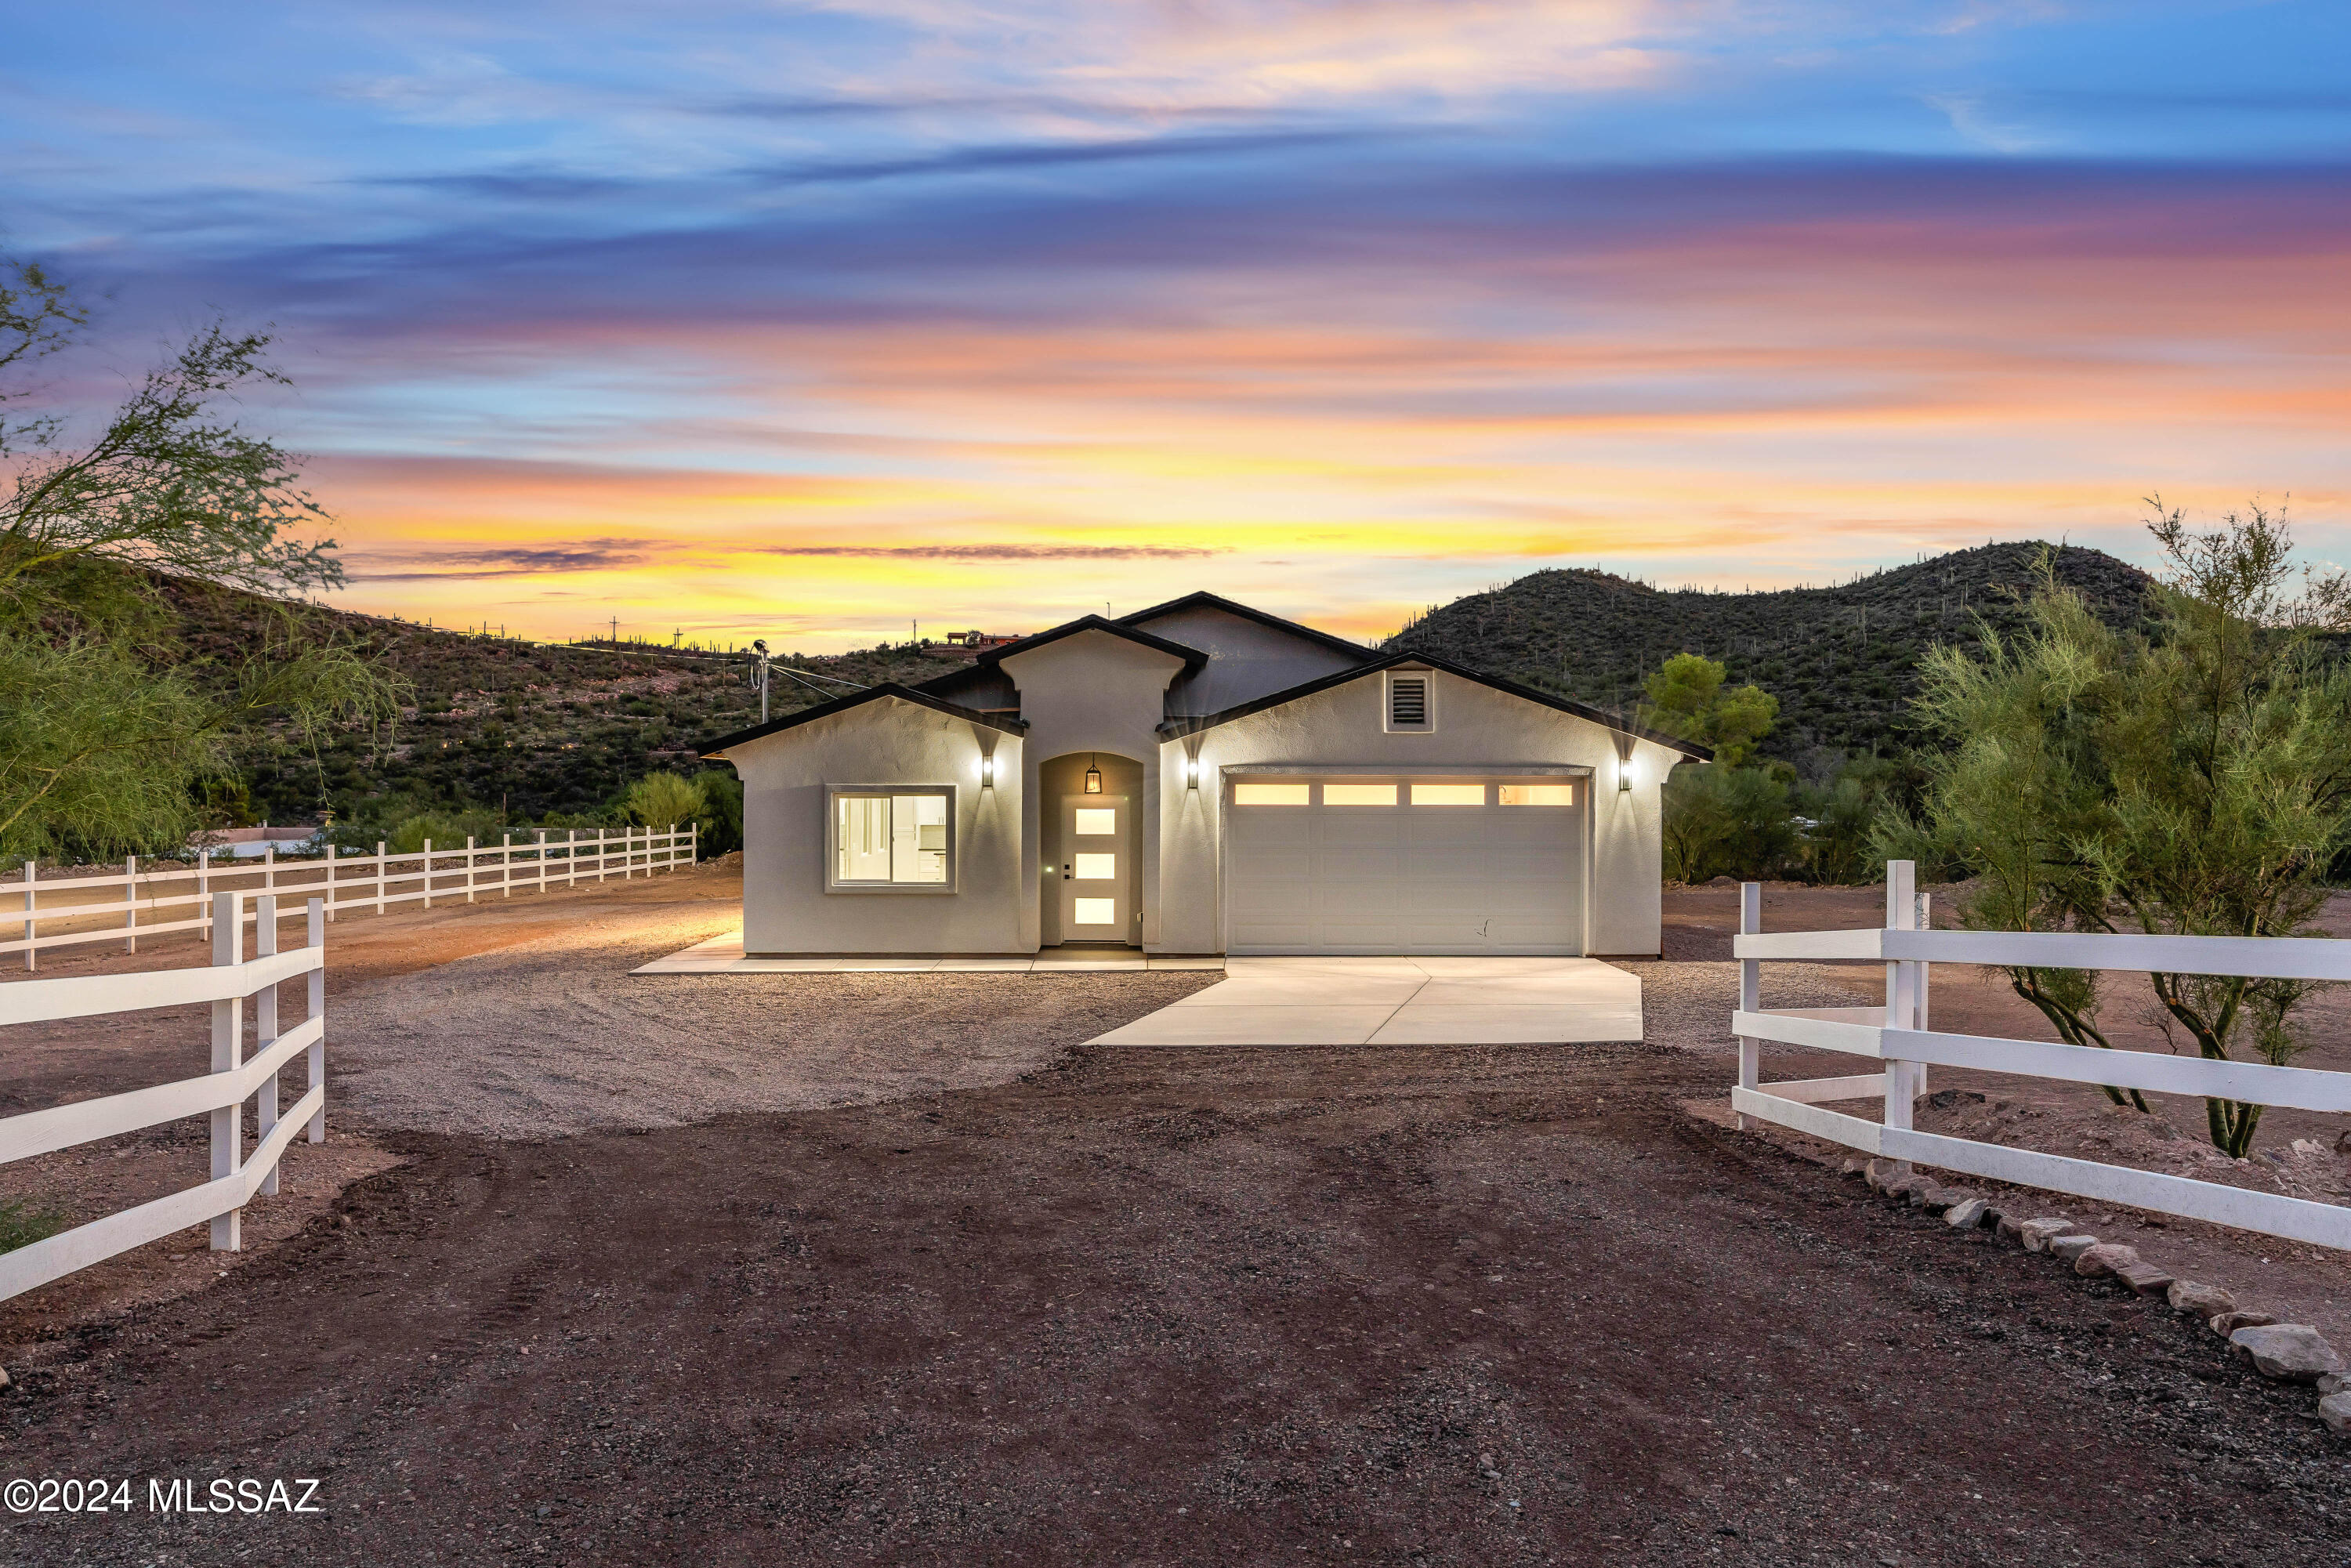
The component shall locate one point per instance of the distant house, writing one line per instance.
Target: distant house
(252, 843)
(1201, 776)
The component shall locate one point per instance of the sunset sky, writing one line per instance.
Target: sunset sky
(809, 320)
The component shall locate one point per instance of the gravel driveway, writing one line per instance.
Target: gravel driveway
(555, 1036)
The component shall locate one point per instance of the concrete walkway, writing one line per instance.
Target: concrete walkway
(1399, 1002)
(725, 956)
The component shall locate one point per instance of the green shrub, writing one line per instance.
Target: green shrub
(22, 1224)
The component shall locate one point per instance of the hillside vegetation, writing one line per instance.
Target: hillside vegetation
(525, 729)
(1843, 661)
(533, 729)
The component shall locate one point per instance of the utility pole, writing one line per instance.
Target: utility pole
(616, 631)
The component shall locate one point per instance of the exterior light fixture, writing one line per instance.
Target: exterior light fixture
(1191, 773)
(988, 770)
(1093, 778)
(1625, 774)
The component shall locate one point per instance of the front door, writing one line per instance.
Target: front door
(1096, 906)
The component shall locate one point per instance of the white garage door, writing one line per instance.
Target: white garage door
(1353, 864)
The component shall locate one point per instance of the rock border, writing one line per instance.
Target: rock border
(2283, 1353)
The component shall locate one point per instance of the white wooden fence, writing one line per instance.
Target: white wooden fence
(236, 1175)
(1898, 1034)
(126, 905)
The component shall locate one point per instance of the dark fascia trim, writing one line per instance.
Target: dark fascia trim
(1175, 727)
(1218, 601)
(710, 748)
(1193, 658)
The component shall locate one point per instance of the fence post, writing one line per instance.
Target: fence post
(469, 868)
(204, 890)
(130, 902)
(32, 924)
(228, 1042)
(542, 860)
(1925, 922)
(264, 1027)
(268, 867)
(428, 874)
(505, 866)
(600, 854)
(381, 861)
(1901, 990)
(570, 857)
(315, 935)
(694, 843)
(331, 882)
(1751, 990)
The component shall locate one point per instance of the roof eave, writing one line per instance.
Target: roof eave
(709, 749)
(1193, 658)
(1250, 613)
(1175, 729)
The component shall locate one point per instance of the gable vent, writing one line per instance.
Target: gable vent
(1408, 705)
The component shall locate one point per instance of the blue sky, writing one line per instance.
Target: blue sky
(807, 321)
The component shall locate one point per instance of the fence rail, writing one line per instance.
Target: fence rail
(1898, 1035)
(236, 1175)
(131, 903)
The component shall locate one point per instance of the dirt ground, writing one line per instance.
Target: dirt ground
(889, 1272)
(1690, 998)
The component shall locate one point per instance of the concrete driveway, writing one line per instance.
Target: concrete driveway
(1398, 1001)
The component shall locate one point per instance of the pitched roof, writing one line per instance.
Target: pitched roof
(1193, 725)
(1230, 607)
(1193, 658)
(854, 699)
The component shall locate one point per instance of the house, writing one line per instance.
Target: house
(1201, 777)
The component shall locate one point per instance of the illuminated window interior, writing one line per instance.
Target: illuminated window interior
(1094, 911)
(894, 839)
(1449, 794)
(1270, 794)
(1094, 821)
(1096, 868)
(1359, 794)
(1538, 794)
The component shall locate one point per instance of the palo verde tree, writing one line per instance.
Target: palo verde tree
(2193, 781)
(1726, 816)
(107, 728)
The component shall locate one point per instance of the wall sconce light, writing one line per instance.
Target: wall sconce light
(988, 770)
(1625, 774)
(1191, 773)
(1093, 778)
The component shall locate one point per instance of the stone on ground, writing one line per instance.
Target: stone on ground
(2097, 1262)
(2328, 1382)
(2145, 1278)
(2296, 1352)
(2011, 1227)
(2336, 1411)
(2204, 1300)
(2226, 1324)
(2065, 1248)
(1967, 1214)
(2038, 1233)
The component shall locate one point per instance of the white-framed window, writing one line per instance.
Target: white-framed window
(896, 837)
(1411, 702)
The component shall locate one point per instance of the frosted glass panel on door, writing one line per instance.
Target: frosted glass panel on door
(1097, 868)
(1096, 911)
(1094, 821)
(1538, 794)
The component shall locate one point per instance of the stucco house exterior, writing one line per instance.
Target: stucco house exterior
(1201, 777)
